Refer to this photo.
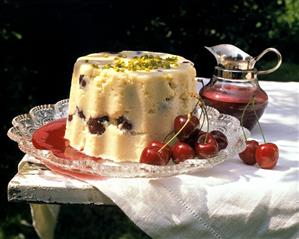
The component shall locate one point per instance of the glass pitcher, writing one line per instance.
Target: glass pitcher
(235, 83)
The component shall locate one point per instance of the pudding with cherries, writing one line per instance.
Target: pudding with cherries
(119, 102)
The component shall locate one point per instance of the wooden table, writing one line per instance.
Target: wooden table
(34, 183)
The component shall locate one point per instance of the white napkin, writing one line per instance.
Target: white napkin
(231, 200)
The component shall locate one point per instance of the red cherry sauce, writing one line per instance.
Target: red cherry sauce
(51, 137)
(231, 99)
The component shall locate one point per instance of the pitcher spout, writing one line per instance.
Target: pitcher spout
(231, 57)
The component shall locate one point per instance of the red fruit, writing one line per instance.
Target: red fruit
(152, 155)
(220, 138)
(180, 121)
(193, 137)
(206, 146)
(267, 155)
(248, 155)
(181, 152)
(160, 145)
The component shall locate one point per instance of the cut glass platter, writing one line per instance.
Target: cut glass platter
(26, 124)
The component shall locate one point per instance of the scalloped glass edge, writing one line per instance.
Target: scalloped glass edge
(24, 125)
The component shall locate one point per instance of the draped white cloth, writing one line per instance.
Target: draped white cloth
(231, 200)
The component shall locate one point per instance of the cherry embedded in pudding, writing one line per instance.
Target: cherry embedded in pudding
(80, 113)
(267, 155)
(124, 123)
(82, 81)
(95, 126)
(70, 117)
(181, 152)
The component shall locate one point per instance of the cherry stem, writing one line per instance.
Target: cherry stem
(204, 109)
(242, 117)
(173, 137)
(257, 119)
(203, 121)
(208, 124)
(168, 135)
(199, 100)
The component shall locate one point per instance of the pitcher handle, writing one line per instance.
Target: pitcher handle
(279, 60)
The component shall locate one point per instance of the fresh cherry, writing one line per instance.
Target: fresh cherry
(267, 155)
(159, 144)
(220, 138)
(152, 155)
(192, 139)
(248, 155)
(180, 121)
(181, 152)
(206, 146)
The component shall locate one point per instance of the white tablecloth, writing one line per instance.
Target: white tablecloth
(232, 200)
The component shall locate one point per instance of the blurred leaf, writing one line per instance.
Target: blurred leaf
(17, 35)
(7, 34)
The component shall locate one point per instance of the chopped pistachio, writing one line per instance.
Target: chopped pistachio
(107, 66)
(105, 55)
(122, 55)
(95, 66)
(143, 63)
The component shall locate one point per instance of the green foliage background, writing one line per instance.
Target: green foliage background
(40, 41)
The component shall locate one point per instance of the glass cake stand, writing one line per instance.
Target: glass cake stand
(26, 124)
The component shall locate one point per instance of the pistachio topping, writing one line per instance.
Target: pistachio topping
(105, 55)
(122, 55)
(95, 66)
(143, 63)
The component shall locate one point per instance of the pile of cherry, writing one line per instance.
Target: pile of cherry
(193, 142)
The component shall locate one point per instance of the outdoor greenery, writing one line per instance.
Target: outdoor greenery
(40, 41)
